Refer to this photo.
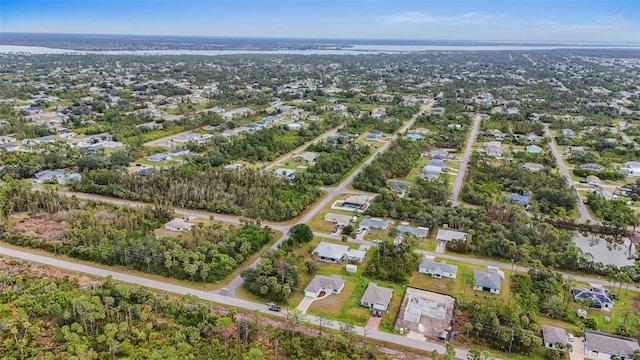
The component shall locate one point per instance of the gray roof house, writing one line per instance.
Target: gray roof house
(533, 149)
(328, 284)
(592, 166)
(487, 281)
(445, 235)
(373, 223)
(158, 157)
(437, 269)
(376, 297)
(552, 335)
(599, 345)
(420, 232)
(337, 253)
(286, 173)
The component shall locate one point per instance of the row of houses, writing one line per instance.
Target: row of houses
(597, 345)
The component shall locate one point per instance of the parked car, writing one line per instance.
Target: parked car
(570, 337)
(275, 308)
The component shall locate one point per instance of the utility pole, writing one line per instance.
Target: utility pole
(126, 262)
(511, 343)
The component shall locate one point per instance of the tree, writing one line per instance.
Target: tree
(301, 233)
(311, 266)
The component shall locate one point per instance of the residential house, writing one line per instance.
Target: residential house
(593, 180)
(521, 199)
(233, 167)
(419, 232)
(398, 185)
(308, 156)
(9, 147)
(533, 149)
(552, 335)
(374, 135)
(378, 112)
(178, 225)
(534, 167)
(59, 175)
(373, 223)
(438, 110)
(493, 148)
(356, 202)
(7, 139)
(158, 157)
(444, 236)
(591, 167)
(533, 137)
(338, 219)
(376, 297)
(631, 168)
(568, 133)
(179, 152)
(335, 253)
(454, 126)
(497, 134)
(151, 125)
(596, 298)
(286, 173)
(324, 284)
(421, 131)
(600, 345)
(415, 137)
(489, 281)
(295, 125)
(437, 269)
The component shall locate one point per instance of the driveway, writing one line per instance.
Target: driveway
(373, 322)
(305, 303)
(578, 349)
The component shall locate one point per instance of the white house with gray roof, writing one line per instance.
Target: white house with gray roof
(373, 223)
(376, 297)
(489, 281)
(437, 269)
(420, 232)
(552, 335)
(335, 253)
(329, 284)
(444, 235)
(599, 345)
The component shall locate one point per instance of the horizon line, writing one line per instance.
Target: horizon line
(320, 38)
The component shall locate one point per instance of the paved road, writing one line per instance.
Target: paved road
(582, 208)
(457, 184)
(232, 287)
(229, 301)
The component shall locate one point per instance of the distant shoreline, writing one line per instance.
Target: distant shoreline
(353, 50)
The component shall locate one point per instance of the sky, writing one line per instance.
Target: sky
(504, 20)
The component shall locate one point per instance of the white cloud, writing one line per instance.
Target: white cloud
(418, 17)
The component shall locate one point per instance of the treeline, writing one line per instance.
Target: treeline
(246, 192)
(395, 163)
(366, 123)
(117, 235)
(268, 143)
(614, 211)
(486, 181)
(335, 159)
(393, 261)
(55, 319)
(493, 324)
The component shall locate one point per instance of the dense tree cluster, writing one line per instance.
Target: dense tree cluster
(110, 234)
(495, 325)
(52, 318)
(247, 192)
(395, 163)
(485, 182)
(614, 211)
(275, 277)
(334, 161)
(393, 261)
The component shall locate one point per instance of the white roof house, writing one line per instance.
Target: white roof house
(286, 173)
(158, 157)
(178, 225)
(330, 252)
(373, 223)
(631, 168)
